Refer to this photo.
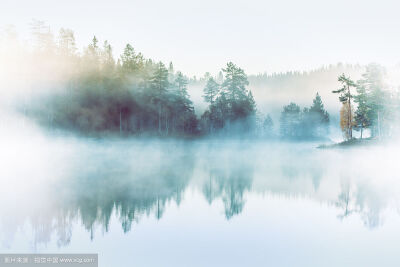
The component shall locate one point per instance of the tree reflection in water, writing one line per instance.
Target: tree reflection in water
(98, 186)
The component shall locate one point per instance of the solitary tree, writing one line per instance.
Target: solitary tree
(346, 120)
(345, 97)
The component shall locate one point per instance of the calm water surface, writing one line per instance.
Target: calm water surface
(200, 203)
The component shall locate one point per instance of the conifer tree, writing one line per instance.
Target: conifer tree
(363, 109)
(66, 43)
(158, 85)
(290, 121)
(345, 97)
(375, 97)
(211, 91)
(318, 117)
(346, 120)
(235, 82)
(268, 126)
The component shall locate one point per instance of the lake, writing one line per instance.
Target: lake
(199, 203)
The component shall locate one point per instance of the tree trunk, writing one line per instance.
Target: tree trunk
(166, 124)
(350, 117)
(159, 118)
(120, 121)
(379, 125)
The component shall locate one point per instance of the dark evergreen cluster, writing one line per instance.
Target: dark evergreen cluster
(133, 95)
(232, 106)
(309, 123)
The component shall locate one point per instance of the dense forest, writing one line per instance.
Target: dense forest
(273, 90)
(312, 122)
(95, 93)
(130, 95)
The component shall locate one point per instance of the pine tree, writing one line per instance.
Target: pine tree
(220, 78)
(182, 106)
(376, 98)
(181, 84)
(268, 126)
(363, 110)
(211, 91)
(171, 68)
(131, 62)
(107, 59)
(235, 82)
(345, 97)
(158, 85)
(44, 39)
(92, 56)
(66, 43)
(231, 103)
(318, 117)
(290, 121)
(346, 120)
(171, 72)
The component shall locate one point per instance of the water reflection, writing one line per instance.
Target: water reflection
(229, 178)
(142, 187)
(140, 180)
(362, 199)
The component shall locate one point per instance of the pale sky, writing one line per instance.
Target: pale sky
(200, 36)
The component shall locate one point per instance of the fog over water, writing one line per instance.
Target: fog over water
(213, 134)
(208, 202)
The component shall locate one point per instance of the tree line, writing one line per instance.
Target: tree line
(129, 95)
(309, 123)
(377, 105)
(97, 93)
(134, 95)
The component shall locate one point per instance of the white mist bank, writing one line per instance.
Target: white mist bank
(35, 162)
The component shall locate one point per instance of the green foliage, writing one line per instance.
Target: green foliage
(317, 118)
(345, 97)
(376, 105)
(362, 114)
(290, 121)
(235, 82)
(344, 91)
(131, 62)
(101, 96)
(232, 106)
(373, 99)
(312, 122)
(211, 91)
